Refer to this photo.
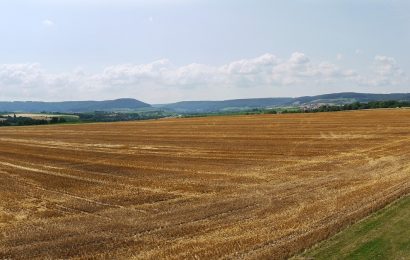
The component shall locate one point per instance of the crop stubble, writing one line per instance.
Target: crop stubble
(263, 186)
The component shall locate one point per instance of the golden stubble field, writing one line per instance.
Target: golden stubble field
(262, 186)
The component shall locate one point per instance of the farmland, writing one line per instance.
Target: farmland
(261, 186)
(44, 116)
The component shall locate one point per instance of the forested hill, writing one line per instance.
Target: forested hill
(350, 97)
(331, 99)
(129, 104)
(73, 106)
(207, 106)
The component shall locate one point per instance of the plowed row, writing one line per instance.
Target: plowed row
(215, 187)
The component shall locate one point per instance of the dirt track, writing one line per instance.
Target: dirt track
(230, 187)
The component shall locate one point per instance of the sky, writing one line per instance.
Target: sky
(161, 51)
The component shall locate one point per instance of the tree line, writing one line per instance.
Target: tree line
(21, 121)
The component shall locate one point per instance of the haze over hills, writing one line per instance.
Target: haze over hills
(197, 106)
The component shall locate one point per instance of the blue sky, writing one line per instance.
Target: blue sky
(163, 51)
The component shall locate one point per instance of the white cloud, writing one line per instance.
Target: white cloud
(47, 23)
(339, 56)
(162, 81)
(386, 72)
(250, 66)
(358, 51)
(386, 65)
(299, 58)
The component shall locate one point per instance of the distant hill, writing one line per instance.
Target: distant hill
(207, 106)
(238, 104)
(350, 97)
(73, 106)
(127, 104)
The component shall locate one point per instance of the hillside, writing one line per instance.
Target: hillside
(350, 97)
(205, 106)
(126, 104)
(238, 104)
(73, 106)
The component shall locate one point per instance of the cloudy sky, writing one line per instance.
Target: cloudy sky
(170, 50)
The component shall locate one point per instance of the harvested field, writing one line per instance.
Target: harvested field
(249, 187)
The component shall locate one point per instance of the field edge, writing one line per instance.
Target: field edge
(379, 211)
